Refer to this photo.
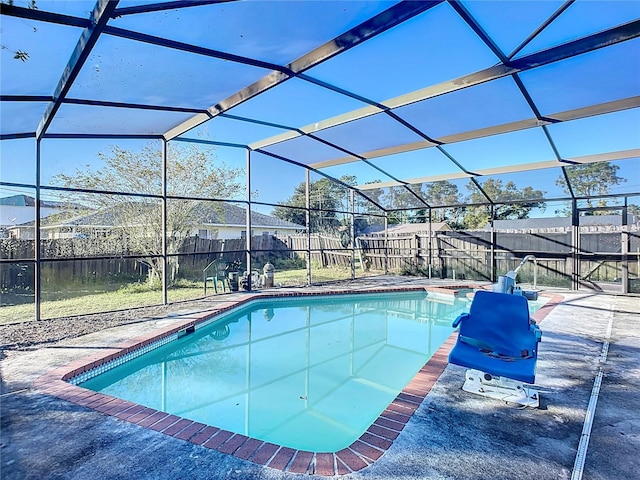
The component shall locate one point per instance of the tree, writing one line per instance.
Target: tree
(325, 198)
(399, 199)
(375, 195)
(367, 212)
(509, 199)
(440, 194)
(591, 179)
(138, 219)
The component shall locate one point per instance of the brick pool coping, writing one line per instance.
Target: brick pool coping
(371, 445)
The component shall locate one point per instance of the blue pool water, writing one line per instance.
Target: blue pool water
(308, 373)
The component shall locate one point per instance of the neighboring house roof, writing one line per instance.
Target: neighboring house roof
(559, 222)
(12, 216)
(407, 228)
(372, 229)
(236, 216)
(404, 228)
(20, 210)
(27, 201)
(232, 216)
(101, 218)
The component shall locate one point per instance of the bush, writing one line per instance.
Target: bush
(294, 263)
(412, 270)
(185, 283)
(141, 287)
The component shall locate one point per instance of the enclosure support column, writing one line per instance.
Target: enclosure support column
(386, 243)
(492, 247)
(248, 220)
(624, 248)
(37, 274)
(430, 252)
(308, 220)
(165, 262)
(352, 203)
(575, 246)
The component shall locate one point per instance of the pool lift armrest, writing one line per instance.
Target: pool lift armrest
(460, 318)
(536, 331)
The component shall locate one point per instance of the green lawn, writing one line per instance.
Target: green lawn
(77, 301)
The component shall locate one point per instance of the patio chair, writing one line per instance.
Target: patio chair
(497, 342)
(216, 272)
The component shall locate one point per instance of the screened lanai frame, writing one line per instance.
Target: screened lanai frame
(521, 88)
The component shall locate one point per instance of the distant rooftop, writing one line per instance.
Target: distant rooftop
(27, 201)
(560, 222)
(407, 228)
(225, 214)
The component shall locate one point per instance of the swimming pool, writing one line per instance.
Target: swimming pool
(308, 373)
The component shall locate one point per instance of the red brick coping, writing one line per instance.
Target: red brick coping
(361, 453)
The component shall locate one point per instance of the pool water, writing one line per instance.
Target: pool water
(307, 373)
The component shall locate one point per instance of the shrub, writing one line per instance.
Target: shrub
(294, 263)
(412, 270)
(141, 287)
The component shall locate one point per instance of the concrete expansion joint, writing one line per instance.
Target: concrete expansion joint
(585, 436)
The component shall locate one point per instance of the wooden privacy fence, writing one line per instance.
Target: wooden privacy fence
(463, 254)
(400, 252)
(326, 251)
(194, 254)
(469, 254)
(202, 251)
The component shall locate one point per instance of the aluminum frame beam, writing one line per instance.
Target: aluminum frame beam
(160, 6)
(575, 114)
(600, 157)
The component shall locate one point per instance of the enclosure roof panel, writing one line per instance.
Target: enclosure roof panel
(397, 96)
(28, 65)
(430, 48)
(274, 32)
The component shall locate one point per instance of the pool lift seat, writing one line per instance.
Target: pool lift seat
(497, 342)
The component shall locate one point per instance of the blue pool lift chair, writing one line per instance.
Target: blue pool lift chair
(497, 342)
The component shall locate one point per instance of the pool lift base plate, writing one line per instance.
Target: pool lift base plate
(500, 388)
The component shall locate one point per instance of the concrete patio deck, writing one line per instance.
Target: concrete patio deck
(451, 435)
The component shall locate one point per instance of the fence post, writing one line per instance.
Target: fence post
(359, 246)
(441, 257)
(323, 260)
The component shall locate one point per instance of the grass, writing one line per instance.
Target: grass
(77, 301)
